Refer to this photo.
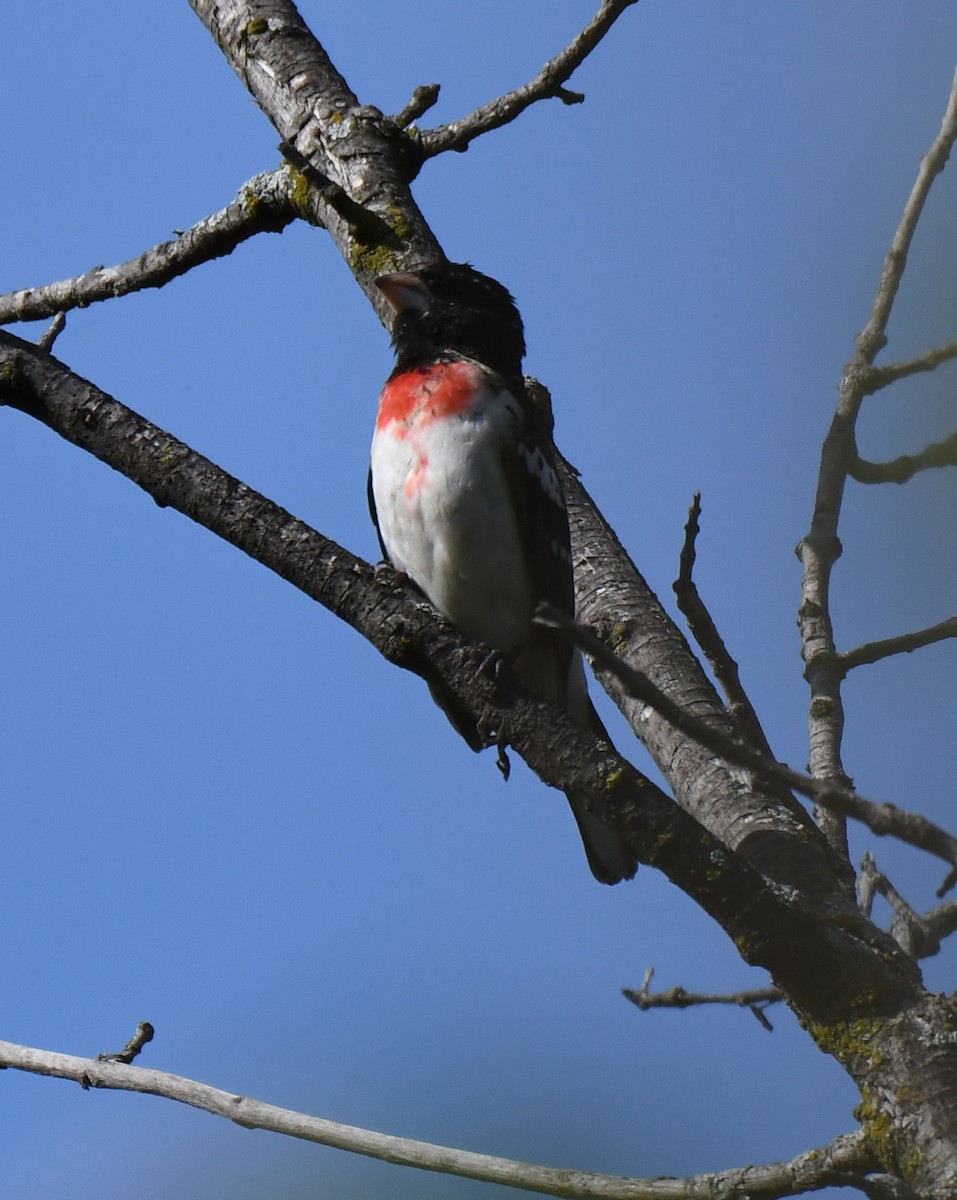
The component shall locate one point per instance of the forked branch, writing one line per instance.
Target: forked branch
(821, 547)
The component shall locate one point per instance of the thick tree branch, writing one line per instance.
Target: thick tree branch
(266, 204)
(358, 153)
(905, 466)
(546, 85)
(847, 1160)
(821, 547)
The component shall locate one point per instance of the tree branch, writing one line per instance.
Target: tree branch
(679, 997)
(903, 643)
(359, 154)
(821, 547)
(846, 1160)
(881, 377)
(422, 99)
(915, 936)
(546, 85)
(905, 466)
(266, 204)
(880, 817)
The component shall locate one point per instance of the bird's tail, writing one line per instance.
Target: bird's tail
(609, 856)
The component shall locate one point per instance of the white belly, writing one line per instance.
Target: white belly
(446, 518)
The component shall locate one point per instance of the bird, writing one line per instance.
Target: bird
(467, 502)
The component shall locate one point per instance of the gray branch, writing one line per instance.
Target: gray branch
(679, 997)
(547, 85)
(881, 377)
(821, 547)
(847, 1160)
(906, 466)
(880, 817)
(903, 643)
(266, 204)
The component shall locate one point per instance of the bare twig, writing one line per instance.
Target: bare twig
(873, 338)
(679, 997)
(847, 1159)
(881, 377)
(265, 204)
(144, 1033)
(880, 817)
(904, 643)
(821, 547)
(906, 466)
(706, 635)
(546, 85)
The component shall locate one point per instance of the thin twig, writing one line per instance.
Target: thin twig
(847, 1158)
(546, 85)
(903, 643)
(263, 205)
(906, 466)
(873, 338)
(880, 817)
(705, 633)
(756, 999)
(882, 377)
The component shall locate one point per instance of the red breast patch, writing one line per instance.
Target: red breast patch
(426, 394)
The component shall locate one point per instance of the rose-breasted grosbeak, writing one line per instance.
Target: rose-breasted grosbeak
(466, 500)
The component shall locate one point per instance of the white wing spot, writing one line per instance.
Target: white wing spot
(540, 469)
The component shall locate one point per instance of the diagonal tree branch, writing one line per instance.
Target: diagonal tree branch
(266, 204)
(547, 85)
(846, 1160)
(880, 817)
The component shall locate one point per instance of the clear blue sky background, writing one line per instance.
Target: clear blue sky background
(222, 811)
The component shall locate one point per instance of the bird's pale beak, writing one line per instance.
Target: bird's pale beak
(404, 291)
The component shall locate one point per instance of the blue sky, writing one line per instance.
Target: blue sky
(227, 815)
